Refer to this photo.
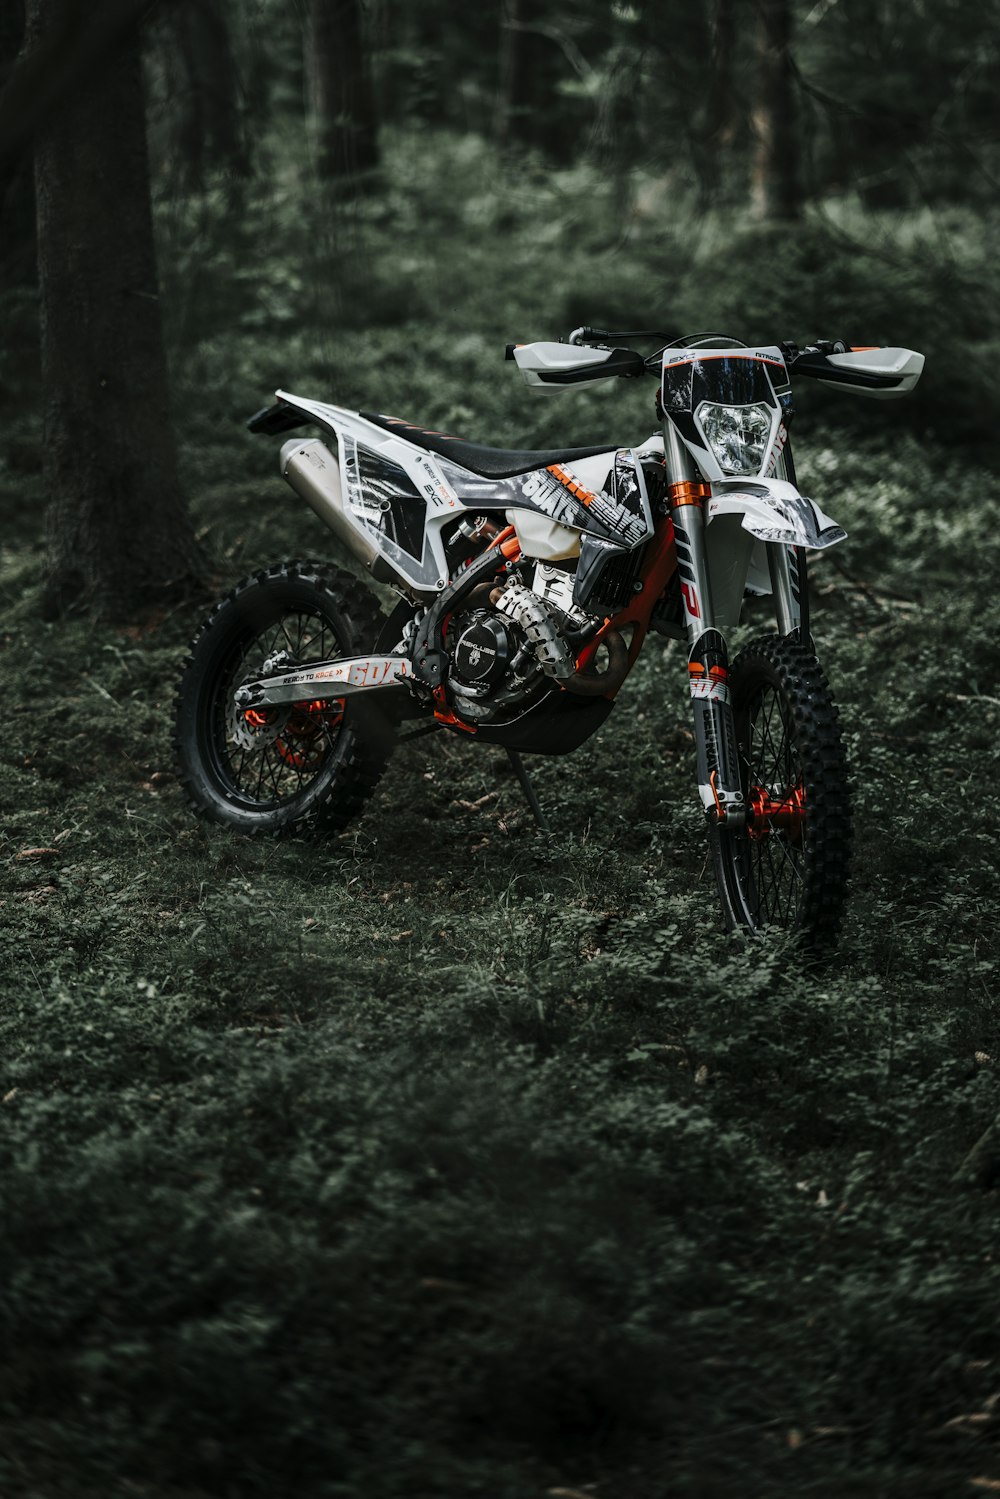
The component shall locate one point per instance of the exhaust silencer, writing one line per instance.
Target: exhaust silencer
(314, 473)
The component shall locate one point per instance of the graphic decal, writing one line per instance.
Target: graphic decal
(616, 520)
(554, 492)
(388, 489)
(439, 494)
(690, 597)
(776, 451)
(383, 499)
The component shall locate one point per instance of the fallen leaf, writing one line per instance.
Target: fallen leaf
(401, 936)
(8, 1097)
(41, 892)
(483, 801)
(990, 1484)
(37, 853)
(971, 1418)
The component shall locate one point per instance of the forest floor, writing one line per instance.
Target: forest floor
(445, 1157)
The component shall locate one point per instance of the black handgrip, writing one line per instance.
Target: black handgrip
(814, 362)
(824, 346)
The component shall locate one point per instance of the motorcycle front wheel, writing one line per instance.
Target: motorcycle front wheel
(787, 868)
(265, 770)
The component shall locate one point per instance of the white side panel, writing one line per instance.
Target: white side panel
(363, 512)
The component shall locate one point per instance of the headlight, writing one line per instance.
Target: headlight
(738, 436)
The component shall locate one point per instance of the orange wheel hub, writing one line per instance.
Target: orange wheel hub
(769, 814)
(302, 743)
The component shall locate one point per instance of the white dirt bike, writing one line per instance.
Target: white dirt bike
(528, 583)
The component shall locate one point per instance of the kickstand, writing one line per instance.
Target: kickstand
(528, 789)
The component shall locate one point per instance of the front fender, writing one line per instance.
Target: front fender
(773, 510)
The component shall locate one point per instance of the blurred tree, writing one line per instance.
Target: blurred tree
(209, 122)
(775, 187)
(529, 66)
(341, 97)
(118, 532)
(724, 110)
(905, 95)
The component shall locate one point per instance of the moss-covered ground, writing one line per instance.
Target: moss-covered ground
(446, 1157)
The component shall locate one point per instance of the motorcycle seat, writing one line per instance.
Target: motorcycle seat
(489, 463)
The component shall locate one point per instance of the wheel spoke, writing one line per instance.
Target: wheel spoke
(769, 871)
(294, 747)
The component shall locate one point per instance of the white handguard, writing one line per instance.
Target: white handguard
(903, 364)
(545, 365)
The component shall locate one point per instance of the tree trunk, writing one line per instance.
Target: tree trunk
(340, 90)
(775, 175)
(723, 104)
(17, 191)
(529, 71)
(118, 533)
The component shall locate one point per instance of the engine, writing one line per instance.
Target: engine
(493, 672)
(525, 644)
(511, 643)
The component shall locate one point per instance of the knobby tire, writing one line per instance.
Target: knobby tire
(318, 769)
(792, 878)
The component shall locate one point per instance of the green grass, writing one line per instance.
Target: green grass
(447, 1158)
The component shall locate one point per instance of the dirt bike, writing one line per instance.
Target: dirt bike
(528, 583)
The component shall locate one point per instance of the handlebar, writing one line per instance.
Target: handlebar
(599, 335)
(886, 372)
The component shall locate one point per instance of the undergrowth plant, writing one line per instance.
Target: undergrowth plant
(445, 1157)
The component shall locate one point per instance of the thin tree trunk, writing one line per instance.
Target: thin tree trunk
(981, 1167)
(775, 192)
(210, 126)
(528, 75)
(118, 532)
(17, 191)
(723, 104)
(340, 89)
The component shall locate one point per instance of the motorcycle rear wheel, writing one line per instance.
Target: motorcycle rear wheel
(787, 869)
(305, 763)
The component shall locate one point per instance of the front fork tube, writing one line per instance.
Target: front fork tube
(786, 568)
(789, 579)
(708, 659)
